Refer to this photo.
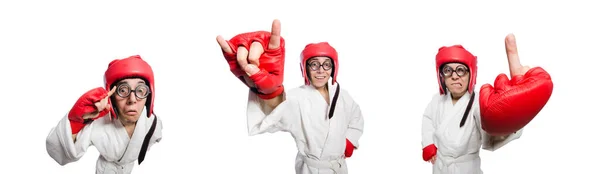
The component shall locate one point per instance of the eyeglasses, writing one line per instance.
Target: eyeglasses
(460, 70)
(315, 65)
(141, 91)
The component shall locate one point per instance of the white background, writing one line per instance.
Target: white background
(51, 52)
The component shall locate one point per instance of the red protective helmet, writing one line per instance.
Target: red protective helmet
(317, 50)
(456, 54)
(130, 67)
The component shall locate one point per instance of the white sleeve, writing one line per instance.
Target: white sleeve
(356, 126)
(427, 128)
(261, 120)
(60, 145)
(492, 143)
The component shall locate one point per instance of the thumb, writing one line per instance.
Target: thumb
(251, 69)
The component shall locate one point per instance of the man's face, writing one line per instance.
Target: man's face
(130, 98)
(456, 77)
(319, 70)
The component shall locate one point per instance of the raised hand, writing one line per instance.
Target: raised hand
(259, 68)
(102, 105)
(90, 106)
(511, 104)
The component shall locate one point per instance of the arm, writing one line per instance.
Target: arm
(68, 141)
(267, 104)
(262, 118)
(494, 142)
(274, 102)
(61, 146)
(427, 130)
(355, 129)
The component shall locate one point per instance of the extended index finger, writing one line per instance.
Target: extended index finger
(112, 91)
(274, 42)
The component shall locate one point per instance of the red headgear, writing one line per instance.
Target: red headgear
(456, 54)
(317, 50)
(131, 67)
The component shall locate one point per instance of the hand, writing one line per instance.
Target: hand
(432, 160)
(514, 63)
(100, 106)
(248, 61)
(92, 105)
(257, 59)
(510, 104)
(349, 149)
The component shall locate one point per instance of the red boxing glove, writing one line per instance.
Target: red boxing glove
(349, 148)
(429, 152)
(512, 104)
(84, 105)
(269, 80)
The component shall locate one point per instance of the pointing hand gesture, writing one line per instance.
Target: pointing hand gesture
(102, 105)
(90, 106)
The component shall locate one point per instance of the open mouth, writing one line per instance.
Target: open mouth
(320, 77)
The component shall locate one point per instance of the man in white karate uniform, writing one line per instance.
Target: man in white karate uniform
(457, 123)
(324, 120)
(112, 123)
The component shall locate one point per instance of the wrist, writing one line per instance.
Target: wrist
(429, 152)
(273, 95)
(76, 127)
(349, 148)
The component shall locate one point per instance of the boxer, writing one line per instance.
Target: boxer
(122, 127)
(458, 121)
(324, 120)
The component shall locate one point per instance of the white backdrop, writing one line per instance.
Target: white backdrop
(52, 52)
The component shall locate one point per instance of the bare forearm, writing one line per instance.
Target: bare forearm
(498, 138)
(274, 102)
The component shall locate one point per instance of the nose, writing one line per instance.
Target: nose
(131, 99)
(321, 69)
(455, 76)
